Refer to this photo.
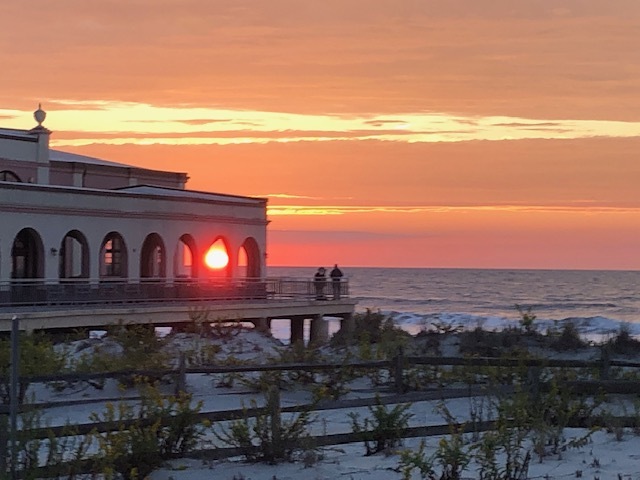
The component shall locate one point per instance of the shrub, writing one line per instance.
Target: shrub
(298, 353)
(527, 319)
(452, 455)
(36, 357)
(624, 343)
(484, 343)
(142, 349)
(47, 457)
(569, 339)
(202, 324)
(268, 438)
(385, 429)
(147, 435)
(416, 460)
(334, 383)
(373, 327)
(506, 441)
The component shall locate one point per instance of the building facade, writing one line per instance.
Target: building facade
(78, 221)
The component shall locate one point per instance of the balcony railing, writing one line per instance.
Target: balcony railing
(34, 292)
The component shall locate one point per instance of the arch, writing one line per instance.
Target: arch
(249, 258)
(74, 255)
(113, 256)
(216, 258)
(152, 257)
(27, 255)
(185, 264)
(9, 176)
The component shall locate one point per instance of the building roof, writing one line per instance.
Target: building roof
(194, 194)
(17, 134)
(59, 156)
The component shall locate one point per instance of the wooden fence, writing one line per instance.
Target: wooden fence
(396, 367)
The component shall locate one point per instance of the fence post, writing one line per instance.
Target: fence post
(273, 407)
(398, 366)
(181, 376)
(533, 380)
(605, 362)
(4, 441)
(13, 397)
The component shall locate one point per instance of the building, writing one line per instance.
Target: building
(77, 230)
(72, 219)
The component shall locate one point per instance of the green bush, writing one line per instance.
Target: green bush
(623, 343)
(385, 429)
(334, 383)
(452, 454)
(142, 349)
(148, 434)
(372, 327)
(36, 357)
(266, 437)
(527, 319)
(52, 456)
(411, 461)
(569, 339)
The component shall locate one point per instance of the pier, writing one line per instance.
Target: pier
(177, 302)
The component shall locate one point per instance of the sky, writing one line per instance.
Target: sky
(400, 133)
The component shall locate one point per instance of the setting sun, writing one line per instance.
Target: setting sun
(216, 256)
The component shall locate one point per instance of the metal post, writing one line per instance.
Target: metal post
(13, 394)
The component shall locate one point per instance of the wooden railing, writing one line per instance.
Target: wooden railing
(398, 394)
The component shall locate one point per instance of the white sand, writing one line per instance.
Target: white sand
(604, 458)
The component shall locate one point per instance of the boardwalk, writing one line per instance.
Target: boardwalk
(175, 302)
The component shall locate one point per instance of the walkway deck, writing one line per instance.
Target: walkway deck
(55, 307)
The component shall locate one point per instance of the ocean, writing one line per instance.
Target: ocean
(599, 303)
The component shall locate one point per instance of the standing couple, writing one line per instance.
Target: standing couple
(320, 281)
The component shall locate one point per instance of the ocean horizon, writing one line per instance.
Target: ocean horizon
(598, 302)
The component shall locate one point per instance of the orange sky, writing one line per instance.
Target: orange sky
(423, 133)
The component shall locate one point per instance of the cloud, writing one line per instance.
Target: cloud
(288, 196)
(382, 122)
(580, 207)
(193, 121)
(496, 57)
(527, 125)
(344, 235)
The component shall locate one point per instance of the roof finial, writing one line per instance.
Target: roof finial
(39, 115)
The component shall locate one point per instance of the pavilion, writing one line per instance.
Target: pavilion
(86, 242)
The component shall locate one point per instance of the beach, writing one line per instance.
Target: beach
(604, 453)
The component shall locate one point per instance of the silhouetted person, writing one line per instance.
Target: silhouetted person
(319, 281)
(336, 278)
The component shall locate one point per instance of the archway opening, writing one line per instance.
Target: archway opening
(249, 254)
(185, 264)
(242, 262)
(152, 257)
(27, 255)
(74, 256)
(113, 257)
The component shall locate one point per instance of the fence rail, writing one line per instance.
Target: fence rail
(396, 367)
